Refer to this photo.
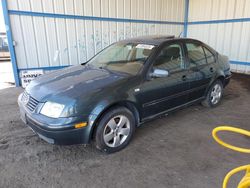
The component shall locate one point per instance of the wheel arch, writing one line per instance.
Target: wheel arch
(222, 79)
(219, 76)
(128, 104)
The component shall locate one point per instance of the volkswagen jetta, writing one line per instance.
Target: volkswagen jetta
(123, 86)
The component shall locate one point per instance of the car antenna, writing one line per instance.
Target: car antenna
(180, 35)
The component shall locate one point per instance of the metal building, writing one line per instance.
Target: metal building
(53, 34)
(47, 35)
(224, 25)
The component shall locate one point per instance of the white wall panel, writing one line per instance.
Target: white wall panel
(170, 10)
(231, 39)
(218, 9)
(17, 33)
(42, 47)
(47, 41)
(59, 42)
(52, 41)
(30, 42)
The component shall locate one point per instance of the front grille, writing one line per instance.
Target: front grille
(31, 103)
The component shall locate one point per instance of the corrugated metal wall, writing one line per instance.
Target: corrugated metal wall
(224, 25)
(46, 38)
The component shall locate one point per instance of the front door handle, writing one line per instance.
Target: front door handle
(184, 78)
(211, 69)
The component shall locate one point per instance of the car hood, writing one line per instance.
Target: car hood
(72, 82)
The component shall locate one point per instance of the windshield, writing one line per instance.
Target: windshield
(123, 57)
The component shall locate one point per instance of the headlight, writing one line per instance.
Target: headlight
(52, 109)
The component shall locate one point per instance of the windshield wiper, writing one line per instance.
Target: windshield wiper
(84, 63)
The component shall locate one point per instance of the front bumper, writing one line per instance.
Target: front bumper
(60, 137)
(64, 135)
(227, 79)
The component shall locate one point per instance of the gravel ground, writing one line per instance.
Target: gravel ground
(175, 151)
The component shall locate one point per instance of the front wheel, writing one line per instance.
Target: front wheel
(214, 94)
(115, 130)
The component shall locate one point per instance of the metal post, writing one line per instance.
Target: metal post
(10, 42)
(186, 18)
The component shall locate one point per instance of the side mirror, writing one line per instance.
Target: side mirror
(159, 73)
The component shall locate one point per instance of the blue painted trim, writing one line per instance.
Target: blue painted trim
(186, 18)
(220, 21)
(240, 63)
(67, 16)
(45, 68)
(10, 42)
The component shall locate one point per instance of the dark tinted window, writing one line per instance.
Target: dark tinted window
(195, 54)
(170, 58)
(209, 55)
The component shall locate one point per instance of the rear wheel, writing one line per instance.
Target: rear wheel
(214, 94)
(115, 130)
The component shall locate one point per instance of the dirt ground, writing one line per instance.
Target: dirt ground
(175, 151)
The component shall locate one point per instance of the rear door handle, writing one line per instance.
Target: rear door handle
(211, 69)
(184, 78)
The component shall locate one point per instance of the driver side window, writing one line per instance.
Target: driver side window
(170, 58)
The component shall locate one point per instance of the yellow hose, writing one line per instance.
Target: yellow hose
(230, 129)
(245, 182)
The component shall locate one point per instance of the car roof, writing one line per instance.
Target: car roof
(150, 39)
(155, 39)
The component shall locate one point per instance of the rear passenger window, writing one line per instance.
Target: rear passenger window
(209, 55)
(195, 54)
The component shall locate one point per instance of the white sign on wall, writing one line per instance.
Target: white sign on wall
(28, 75)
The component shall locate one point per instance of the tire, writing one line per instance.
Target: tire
(111, 137)
(214, 95)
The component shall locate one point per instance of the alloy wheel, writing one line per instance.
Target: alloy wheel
(216, 94)
(116, 131)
